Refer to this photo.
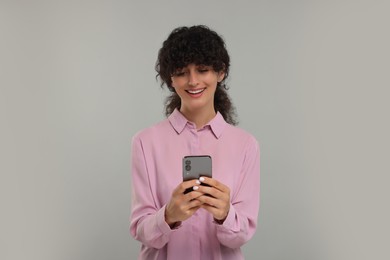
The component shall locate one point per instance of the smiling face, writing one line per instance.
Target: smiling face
(196, 85)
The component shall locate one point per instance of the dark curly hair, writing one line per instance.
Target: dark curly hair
(201, 46)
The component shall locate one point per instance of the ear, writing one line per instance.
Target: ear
(221, 76)
(172, 84)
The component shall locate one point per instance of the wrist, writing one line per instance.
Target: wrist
(220, 221)
(169, 221)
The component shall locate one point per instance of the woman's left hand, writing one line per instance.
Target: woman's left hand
(218, 203)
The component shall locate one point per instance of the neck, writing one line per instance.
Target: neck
(200, 117)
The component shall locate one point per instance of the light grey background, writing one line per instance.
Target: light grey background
(310, 80)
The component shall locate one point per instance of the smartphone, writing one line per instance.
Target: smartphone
(195, 166)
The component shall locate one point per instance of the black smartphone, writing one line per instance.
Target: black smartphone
(195, 166)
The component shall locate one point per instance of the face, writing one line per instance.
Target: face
(196, 85)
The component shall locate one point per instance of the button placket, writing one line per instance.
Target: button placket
(194, 142)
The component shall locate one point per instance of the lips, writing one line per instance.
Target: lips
(195, 91)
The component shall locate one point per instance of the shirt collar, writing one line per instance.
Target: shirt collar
(179, 122)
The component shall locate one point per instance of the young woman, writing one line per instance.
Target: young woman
(210, 222)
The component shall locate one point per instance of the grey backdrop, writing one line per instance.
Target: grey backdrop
(310, 80)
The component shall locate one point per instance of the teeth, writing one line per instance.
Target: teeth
(195, 91)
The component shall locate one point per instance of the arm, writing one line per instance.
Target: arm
(152, 224)
(147, 222)
(241, 221)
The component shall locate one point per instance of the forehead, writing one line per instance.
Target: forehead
(193, 65)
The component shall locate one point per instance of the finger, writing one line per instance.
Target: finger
(193, 194)
(193, 210)
(210, 201)
(194, 204)
(186, 184)
(217, 213)
(212, 210)
(211, 191)
(214, 183)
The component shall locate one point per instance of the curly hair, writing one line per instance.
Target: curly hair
(195, 45)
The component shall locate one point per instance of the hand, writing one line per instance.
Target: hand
(218, 203)
(182, 206)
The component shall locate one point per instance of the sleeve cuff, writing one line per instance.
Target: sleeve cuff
(230, 221)
(162, 225)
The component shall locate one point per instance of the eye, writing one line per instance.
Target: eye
(203, 69)
(179, 73)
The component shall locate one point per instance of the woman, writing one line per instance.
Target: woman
(210, 222)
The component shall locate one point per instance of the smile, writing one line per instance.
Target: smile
(195, 91)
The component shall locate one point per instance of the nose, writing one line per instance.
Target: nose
(193, 78)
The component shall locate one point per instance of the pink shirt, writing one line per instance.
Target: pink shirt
(156, 169)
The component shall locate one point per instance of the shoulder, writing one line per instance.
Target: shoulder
(245, 143)
(241, 139)
(155, 131)
(240, 134)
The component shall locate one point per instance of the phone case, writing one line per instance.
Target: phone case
(195, 166)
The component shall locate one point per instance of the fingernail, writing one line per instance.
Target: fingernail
(195, 187)
(201, 179)
(197, 182)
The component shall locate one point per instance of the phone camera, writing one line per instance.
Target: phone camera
(188, 167)
(188, 162)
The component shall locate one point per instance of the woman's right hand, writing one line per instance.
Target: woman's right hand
(182, 206)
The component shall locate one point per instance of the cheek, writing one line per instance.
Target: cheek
(177, 84)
